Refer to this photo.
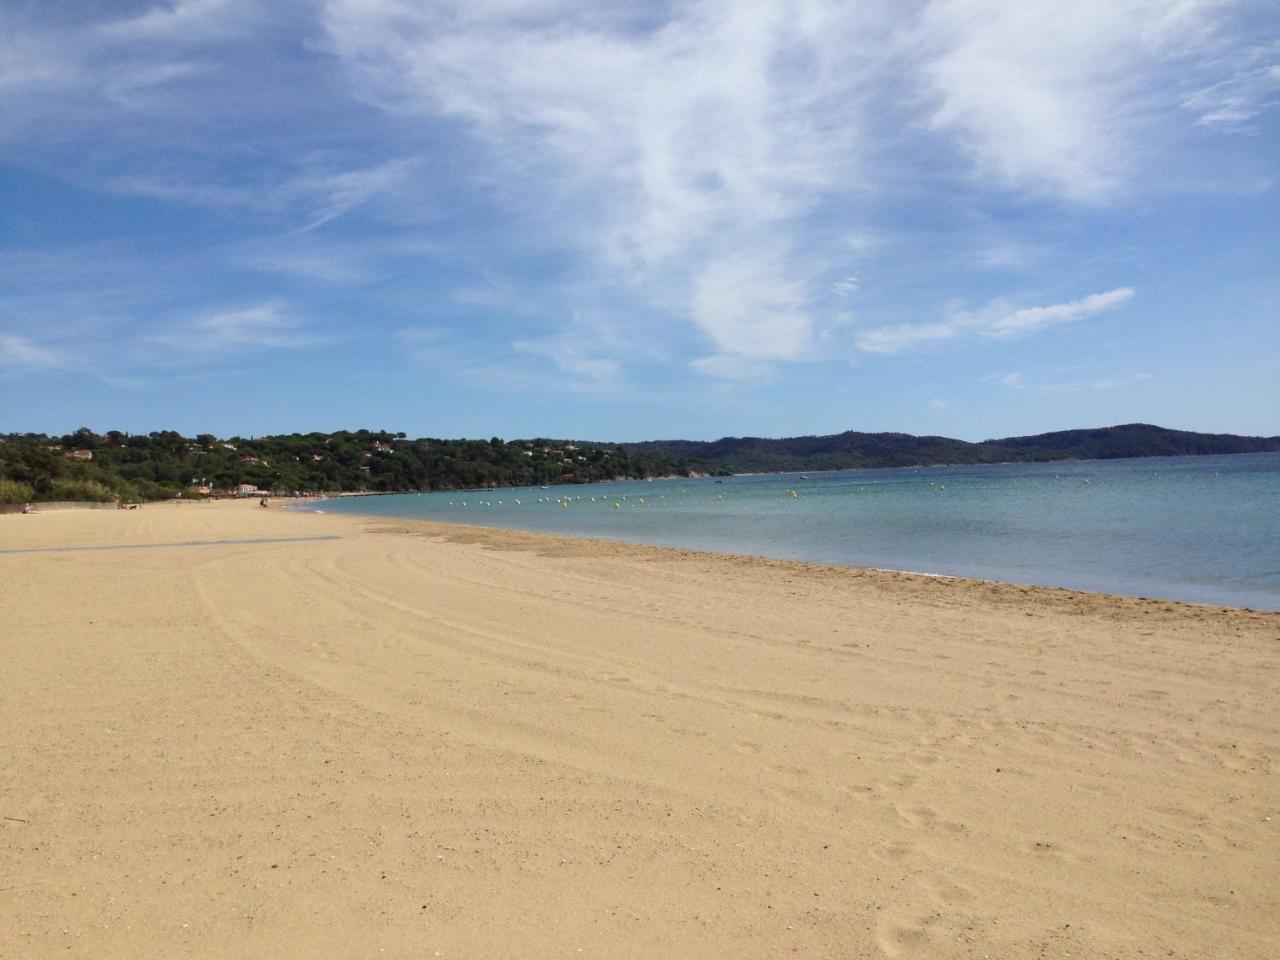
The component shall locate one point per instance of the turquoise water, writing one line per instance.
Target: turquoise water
(1203, 529)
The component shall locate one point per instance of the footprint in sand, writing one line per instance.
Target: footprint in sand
(746, 746)
(945, 893)
(898, 938)
(923, 760)
(894, 851)
(926, 818)
(900, 782)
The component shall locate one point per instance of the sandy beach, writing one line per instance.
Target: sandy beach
(352, 738)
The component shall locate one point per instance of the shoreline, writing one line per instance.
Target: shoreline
(303, 506)
(497, 536)
(408, 738)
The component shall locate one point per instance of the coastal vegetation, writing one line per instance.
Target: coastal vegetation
(118, 466)
(131, 467)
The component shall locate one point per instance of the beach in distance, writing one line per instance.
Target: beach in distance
(232, 731)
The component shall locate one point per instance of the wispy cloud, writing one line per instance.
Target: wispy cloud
(719, 173)
(1020, 381)
(1058, 97)
(332, 195)
(997, 320)
(677, 177)
(845, 287)
(264, 326)
(25, 354)
(1232, 103)
(571, 359)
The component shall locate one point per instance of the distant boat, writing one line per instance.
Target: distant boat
(803, 477)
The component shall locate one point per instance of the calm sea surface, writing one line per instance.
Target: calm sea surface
(1204, 529)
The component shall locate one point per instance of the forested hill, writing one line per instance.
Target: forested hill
(116, 466)
(854, 450)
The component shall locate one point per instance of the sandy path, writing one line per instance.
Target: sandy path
(420, 741)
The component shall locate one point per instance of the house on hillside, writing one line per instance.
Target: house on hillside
(79, 454)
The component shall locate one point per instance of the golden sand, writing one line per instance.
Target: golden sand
(420, 741)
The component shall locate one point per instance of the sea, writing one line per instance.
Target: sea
(1200, 529)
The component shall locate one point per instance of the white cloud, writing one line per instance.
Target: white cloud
(334, 194)
(709, 166)
(22, 352)
(994, 322)
(1054, 96)
(1007, 379)
(264, 326)
(997, 320)
(571, 358)
(896, 337)
(1019, 381)
(752, 307)
(183, 21)
(1232, 102)
(1006, 253)
(691, 155)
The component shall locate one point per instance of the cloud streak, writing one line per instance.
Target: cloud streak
(264, 326)
(997, 321)
(25, 354)
(1019, 381)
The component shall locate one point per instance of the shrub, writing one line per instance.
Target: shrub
(92, 490)
(149, 490)
(12, 491)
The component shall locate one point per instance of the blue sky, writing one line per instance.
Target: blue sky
(974, 218)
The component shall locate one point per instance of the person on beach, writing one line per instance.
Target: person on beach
(27, 508)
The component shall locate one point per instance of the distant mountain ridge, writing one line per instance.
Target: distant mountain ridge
(851, 449)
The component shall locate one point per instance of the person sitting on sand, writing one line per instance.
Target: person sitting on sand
(27, 508)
